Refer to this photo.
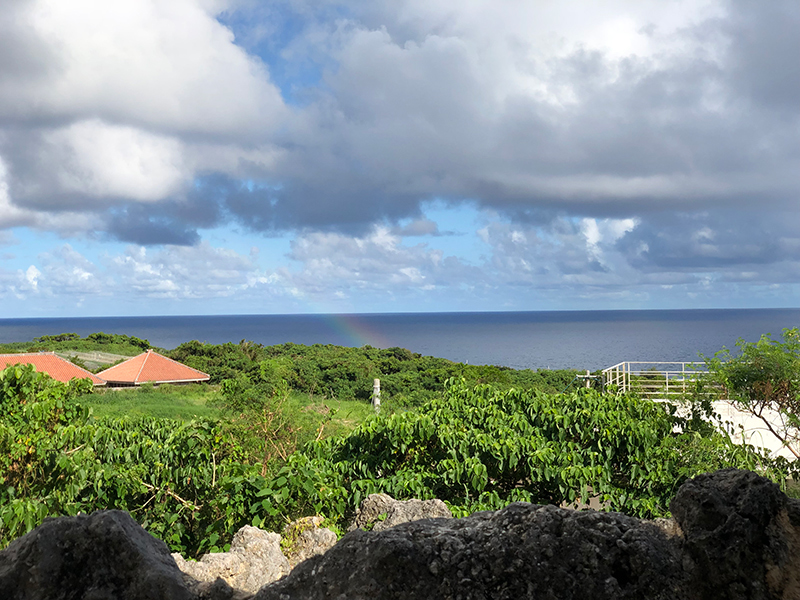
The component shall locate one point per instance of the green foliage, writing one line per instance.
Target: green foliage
(57, 460)
(61, 337)
(407, 379)
(257, 420)
(764, 376)
(481, 448)
(220, 361)
(118, 339)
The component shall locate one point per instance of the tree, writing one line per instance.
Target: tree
(763, 379)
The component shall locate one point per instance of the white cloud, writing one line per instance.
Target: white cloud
(32, 275)
(376, 263)
(161, 64)
(183, 271)
(102, 160)
(106, 103)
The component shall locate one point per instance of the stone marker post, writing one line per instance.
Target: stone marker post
(376, 394)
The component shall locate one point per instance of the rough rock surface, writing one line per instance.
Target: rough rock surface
(374, 506)
(304, 538)
(735, 536)
(254, 560)
(522, 551)
(102, 556)
(741, 537)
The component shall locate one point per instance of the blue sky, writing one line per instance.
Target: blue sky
(239, 156)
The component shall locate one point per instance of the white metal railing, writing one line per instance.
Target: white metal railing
(674, 381)
(654, 380)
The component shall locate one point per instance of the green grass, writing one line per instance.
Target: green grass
(310, 416)
(181, 402)
(325, 417)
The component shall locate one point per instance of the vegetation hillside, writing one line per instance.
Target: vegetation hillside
(476, 445)
(407, 378)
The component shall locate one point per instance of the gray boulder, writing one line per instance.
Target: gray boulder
(741, 537)
(522, 551)
(254, 560)
(380, 512)
(102, 556)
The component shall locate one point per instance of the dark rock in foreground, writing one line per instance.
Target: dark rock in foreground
(738, 537)
(522, 551)
(103, 556)
(741, 537)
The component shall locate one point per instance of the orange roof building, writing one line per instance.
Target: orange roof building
(47, 362)
(153, 368)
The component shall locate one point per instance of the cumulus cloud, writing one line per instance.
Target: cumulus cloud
(611, 143)
(108, 104)
(376, 262)
(166, 65)
(617, 109)
(173, 272)
(490, 104)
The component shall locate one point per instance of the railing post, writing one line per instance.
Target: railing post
(683, 376)
(627, 380)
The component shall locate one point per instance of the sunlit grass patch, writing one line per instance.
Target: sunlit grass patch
(318, 417)
(181, 402)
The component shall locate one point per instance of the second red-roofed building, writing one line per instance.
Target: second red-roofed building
(47, 362)
(151, 367)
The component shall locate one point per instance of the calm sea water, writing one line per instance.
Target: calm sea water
(568, 339)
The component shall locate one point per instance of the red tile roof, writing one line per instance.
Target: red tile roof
(47, 362)
(153, 367)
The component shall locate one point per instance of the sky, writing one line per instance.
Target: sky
(162, 157)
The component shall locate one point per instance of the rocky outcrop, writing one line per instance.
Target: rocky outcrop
(734, 536)
(102, 556)
(254, 560)
(522, 551)
(378, 512)
(741, 537)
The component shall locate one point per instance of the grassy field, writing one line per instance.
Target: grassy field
(312, 416)
(182, 402)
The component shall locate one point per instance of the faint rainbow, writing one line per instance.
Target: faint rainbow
(357, 331)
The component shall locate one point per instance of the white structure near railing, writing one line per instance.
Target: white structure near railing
(674, 381)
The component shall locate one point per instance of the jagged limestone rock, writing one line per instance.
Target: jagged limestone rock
(254, 560)
(304, 538)
(735, 536)
(381, 511)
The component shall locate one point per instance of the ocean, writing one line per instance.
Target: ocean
(546, 339)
